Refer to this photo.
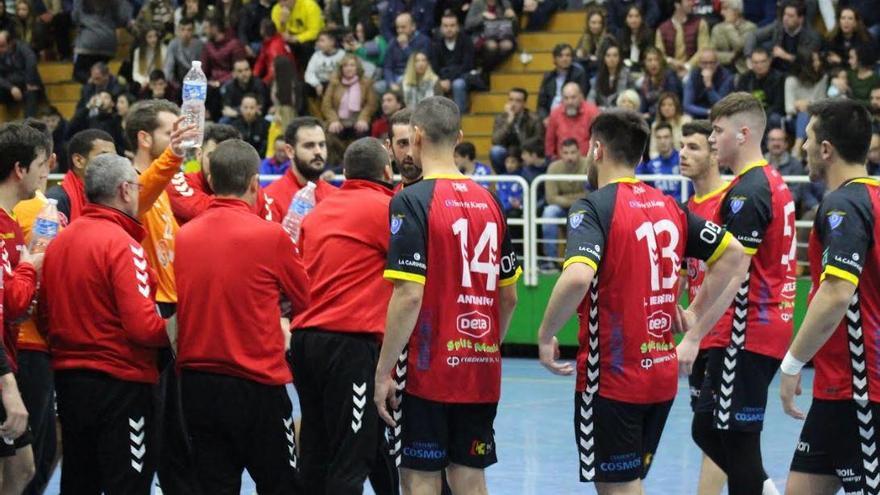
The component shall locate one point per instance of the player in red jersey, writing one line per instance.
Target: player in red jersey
(838, 443)
(454, 272)
(700, 166)
(626, 241)
(759, 211)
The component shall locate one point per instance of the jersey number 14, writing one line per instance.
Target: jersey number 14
(472, 264)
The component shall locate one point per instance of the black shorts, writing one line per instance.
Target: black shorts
(8, 447)
(616, 440)
(746, 385)
(831, 444)
(434, 434)
(698, 374)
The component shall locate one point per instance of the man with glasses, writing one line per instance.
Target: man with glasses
(706, 85)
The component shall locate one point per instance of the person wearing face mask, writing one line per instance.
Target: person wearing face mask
(307, 149)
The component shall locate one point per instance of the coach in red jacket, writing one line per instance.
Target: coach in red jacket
(336, 341)
(103, 340)
(231, 268)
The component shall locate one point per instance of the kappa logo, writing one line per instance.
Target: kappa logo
(396, 224)
(473, 324)
(575, 220)
(835, 218)
(736, 204)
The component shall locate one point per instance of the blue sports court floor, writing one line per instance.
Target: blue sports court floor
(536, 448)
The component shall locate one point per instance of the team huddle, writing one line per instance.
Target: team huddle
(187, 379)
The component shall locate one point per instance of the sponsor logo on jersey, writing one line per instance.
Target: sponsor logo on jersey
(424, 450)
(458, 344)
(453, 361)
(475, 300)
(575, 220)
(461, 186)
(737, 203)
(479, 448)
(621, 462)
(452, 203)
(835, 218)
(473, 324)
(803, 447)
(853, 262)
(750, 415)
(659, 322)
(396, 224)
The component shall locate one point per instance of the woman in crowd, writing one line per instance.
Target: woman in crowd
(729, 36)
(587, 49)
(861, 76)
(629, 100)
(148, 56)
(848, 33)
(656, 79)
(808, 84)
(419, 79)
(669, 110)
(493, 25)
(158, 15)
(195, 10)
(635, 38)
(369, 46)
(612, 77)
(348, 105)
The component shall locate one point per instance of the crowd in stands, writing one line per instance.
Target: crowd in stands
(353, 63)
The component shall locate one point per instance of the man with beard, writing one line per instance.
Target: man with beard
(306, 146)
(81, 149)
(572, 119)
(392, 102)
(837, 445)
(398, 146)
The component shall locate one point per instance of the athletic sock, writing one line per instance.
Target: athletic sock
(769, 488)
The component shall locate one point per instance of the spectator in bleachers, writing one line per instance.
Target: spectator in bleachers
(182, 50)
(250, 26)
(669, 111)
(20, 82)
(874, 105)
(419, 80)
(369, 46)
(619, 10)
(682, 37)
(273, 46)
(612, 78)
(347, 106)
(96, 23)
(492, 23)
(514, 127)
(706, 85)
(572, 119)
(99, 113)
(805, 197)
(874, 153)
(57, 125)
(242, 83)
(149, 55)
(766, 84)
(809, 83)
(276, 164)
(665, 163)
(537, 13)
(54, 15)
(229, 11)
(629, 100)
(159, 88)
(465, 156)
(100, 79)
(323, 63)
(192, 10)
(786, 36)
(452, 58)
(729, 36)
(124, 102)
(656, 79)
(344, 15)
(421, 15)
(861, 76)
(869, 11)
(635, 38)
(218, 58)
(157, 15)
(590, 42)
(7, 20)
(27, 28)
(838, 84)
(849, 33)
(534, 163)
(299, 22)
(560, 195)
(564, 72)
(250, 123)
(400, 49)
(392, 101)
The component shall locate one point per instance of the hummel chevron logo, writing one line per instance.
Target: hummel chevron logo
(138, 447)
(358, 400)
(291, 441)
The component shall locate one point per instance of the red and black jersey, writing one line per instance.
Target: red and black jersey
(759, 211)
(449, 234)
(843, 244)
(707, 207)
(19, 284)
(635, 237)
(344, 250)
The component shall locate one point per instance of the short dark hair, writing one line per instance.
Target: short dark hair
(254, 96)
(186, 21)
(559, 48)
(400, 117)
(157, 74)
(44, 130)
(449, 14)
(220, 133)
(624, 134)
(267, 27)
(866, 53)
(760, 50)
(798, 5)
(737, 103)
(844, 123)
(703, 127)
(234, 164)
(295, 125)
(466, 149)
(397, 96)
(216, 21)
(19, 143)
(570, 142)
(521, 91)
(365, 158)
(439, 118)
(534, 147)
(82, 142)
(143, 116)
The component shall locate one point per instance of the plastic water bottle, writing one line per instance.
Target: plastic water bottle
(301, 205)
(45, 227)
(195, 91)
